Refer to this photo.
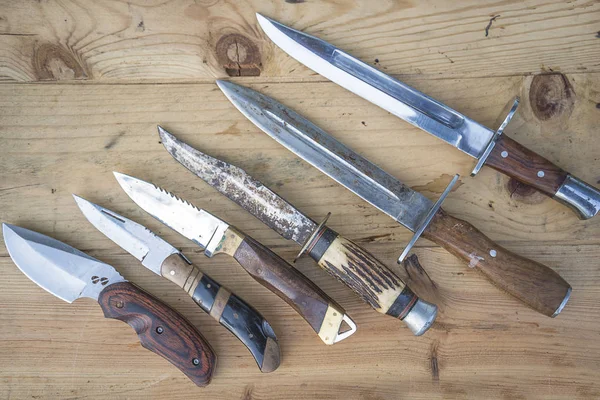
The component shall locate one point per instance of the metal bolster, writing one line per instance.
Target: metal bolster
(427, 219)
(562, 304)
(482, 159)
(583, 198)
(312, 237)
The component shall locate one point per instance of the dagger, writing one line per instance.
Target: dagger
(487, 146)
(536, 285)
(216, 236)
(350, 264)
(70, 274)
(165, 260)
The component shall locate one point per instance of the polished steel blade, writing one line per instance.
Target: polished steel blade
(331, 157)
(240, 187)
(199, 226)
(388, 93)
(132, 237)
(57, 267)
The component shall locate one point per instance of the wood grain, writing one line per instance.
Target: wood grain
(67, 133)
(161, 330)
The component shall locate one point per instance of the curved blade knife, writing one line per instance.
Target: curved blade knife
(349, 263)
(69, 274)
(536, 285)
(489, 147)
(215, 236)
(165, 260)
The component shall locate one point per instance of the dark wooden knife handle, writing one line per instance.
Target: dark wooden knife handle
(322, 313)
(161, 330)
(534, 284)
(517, 161)
(247, 324)
(362, 272)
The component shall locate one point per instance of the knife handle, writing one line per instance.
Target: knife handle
(370, 279)
(534, 284)
(517, 161)
(160, 329)
(226, 308)
(321, 312)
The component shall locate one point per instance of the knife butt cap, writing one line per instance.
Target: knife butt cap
(420, 318)
(272, 356)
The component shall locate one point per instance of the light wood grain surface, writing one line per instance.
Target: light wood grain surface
(84, 84)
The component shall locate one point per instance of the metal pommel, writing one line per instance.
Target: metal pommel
(583, 198)
(421, 317)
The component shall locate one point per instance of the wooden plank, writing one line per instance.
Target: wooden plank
(58, 139)
(201, 40)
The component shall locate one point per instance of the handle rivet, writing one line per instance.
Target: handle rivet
(493, 253)
(119, 304)
(540, 174)
(208, 286)
(250, 336)
(504, 154)
(159, 330)
(172, 272)
(196, 361)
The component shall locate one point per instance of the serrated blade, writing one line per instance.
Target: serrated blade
(388, 93)
(331, 157)
(56, 267)
(199, 226)
(132, 237)
(240, 187)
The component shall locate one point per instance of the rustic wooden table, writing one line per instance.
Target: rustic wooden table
(84, 84)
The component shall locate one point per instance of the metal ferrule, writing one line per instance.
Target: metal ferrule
(583, 198)
(420, 317)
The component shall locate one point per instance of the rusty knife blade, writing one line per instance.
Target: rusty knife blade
(239, 186)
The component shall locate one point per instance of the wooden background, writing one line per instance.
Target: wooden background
(84, 83)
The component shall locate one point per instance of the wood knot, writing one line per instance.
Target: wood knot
(53, 62)
(238, 55)
(522, 192)
(551, 95)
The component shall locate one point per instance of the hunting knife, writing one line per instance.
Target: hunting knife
(216, 236)
(538, 286)
(165, 260)
(70, 274)
(486, 145)
(349, 263)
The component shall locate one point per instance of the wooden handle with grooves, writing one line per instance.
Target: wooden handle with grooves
(517, 161)
(161, 330)
(273, 272)
(363, 273)
(534, 284)
(241, 319)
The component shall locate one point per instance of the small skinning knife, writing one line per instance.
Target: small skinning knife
(165, 260)
(536, 285)
(486, 145)
(216, 236)
(70, 274)
(349, 263)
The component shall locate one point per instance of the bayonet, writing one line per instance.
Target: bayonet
(487, 146)
(216, 236)
(533, 283)
(349, 263)
(69, 274)
(241, 319)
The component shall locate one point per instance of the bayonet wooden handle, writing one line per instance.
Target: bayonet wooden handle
(322, 313)
(534, 284)
(517, 161)
(365, 275)
(229, 310)
(161, 330)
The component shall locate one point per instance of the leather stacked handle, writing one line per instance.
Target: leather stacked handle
(534, 284)
(229, 310)
(322, 313)
(363, 273)
(515, 160)
(161, 330)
